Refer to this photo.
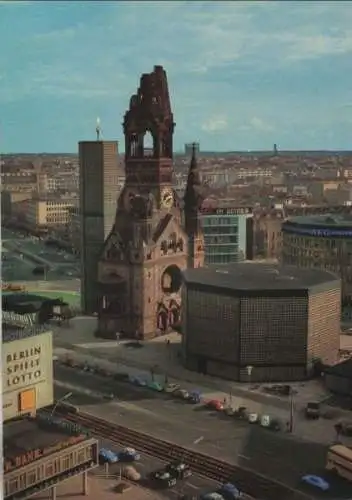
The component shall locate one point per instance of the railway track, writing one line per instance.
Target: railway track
(255, 485)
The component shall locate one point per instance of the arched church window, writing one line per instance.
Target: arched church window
(163, 247)
(134, 145)
(172, 244)
(180, 244)
(148, 144)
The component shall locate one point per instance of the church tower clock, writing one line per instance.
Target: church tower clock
(140, 270)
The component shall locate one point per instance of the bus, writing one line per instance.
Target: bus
(339, 461)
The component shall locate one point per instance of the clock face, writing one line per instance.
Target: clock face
(167, 198)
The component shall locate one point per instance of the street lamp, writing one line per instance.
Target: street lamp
(292, 410)
(66, 396)
(196, 441)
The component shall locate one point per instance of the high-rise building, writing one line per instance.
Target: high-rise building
(140, 267)
(98, 196)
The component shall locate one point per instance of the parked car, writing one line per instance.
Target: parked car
(155, 386)
(253, 418)
(181, 394)
(107, 456)
(195, 397)
(179, 469)
(229, 491)
(163, 478)
(316, 481)
(129, 455)
(214, 404)
(265, 421)
(229, 411)
(344, 428)
(171, 388)
(212, 496)
(241, 413)
(131, 473)
(137, 380)
(313, 410)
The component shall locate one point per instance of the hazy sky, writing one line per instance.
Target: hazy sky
(242, 75)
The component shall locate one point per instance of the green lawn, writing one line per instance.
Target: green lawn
(72, 298)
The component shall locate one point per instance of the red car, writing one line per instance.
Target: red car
(215, 404)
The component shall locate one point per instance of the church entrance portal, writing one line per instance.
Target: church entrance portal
(163, 320)
(171, 279)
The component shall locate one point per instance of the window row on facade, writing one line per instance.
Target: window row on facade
(45, 469)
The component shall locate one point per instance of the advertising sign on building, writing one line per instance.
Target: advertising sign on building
(27, 374)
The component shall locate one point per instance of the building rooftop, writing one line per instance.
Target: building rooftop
(12, 330)
(324, 220)
(22, 436)
(259, 276)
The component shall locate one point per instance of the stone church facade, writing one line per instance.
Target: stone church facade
(155, 235)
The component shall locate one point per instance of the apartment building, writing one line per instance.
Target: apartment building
(48, 212)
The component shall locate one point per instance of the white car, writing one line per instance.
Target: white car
(253, 418)
(265, 421)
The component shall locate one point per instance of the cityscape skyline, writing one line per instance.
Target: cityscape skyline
(242, 75)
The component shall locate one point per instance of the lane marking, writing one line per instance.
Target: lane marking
(190, 485)
(244, 456)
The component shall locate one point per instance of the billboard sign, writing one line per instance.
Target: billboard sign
(211, 210)
(27, 374)
(317, 232)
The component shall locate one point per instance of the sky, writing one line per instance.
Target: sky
(242, 75)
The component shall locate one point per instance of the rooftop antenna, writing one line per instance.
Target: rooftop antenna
(98, 129)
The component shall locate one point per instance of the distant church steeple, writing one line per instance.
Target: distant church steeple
(193, 200)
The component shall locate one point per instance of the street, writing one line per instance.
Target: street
(276, 455)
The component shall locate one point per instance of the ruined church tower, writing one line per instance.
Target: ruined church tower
(140, 269)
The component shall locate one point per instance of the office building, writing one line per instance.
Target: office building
(225, 234)
(259, 322)
(321, 241)
(99, 178)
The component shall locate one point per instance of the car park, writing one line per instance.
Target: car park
(163, 478)
(179, 469)
(107, 456)
(128, 455)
